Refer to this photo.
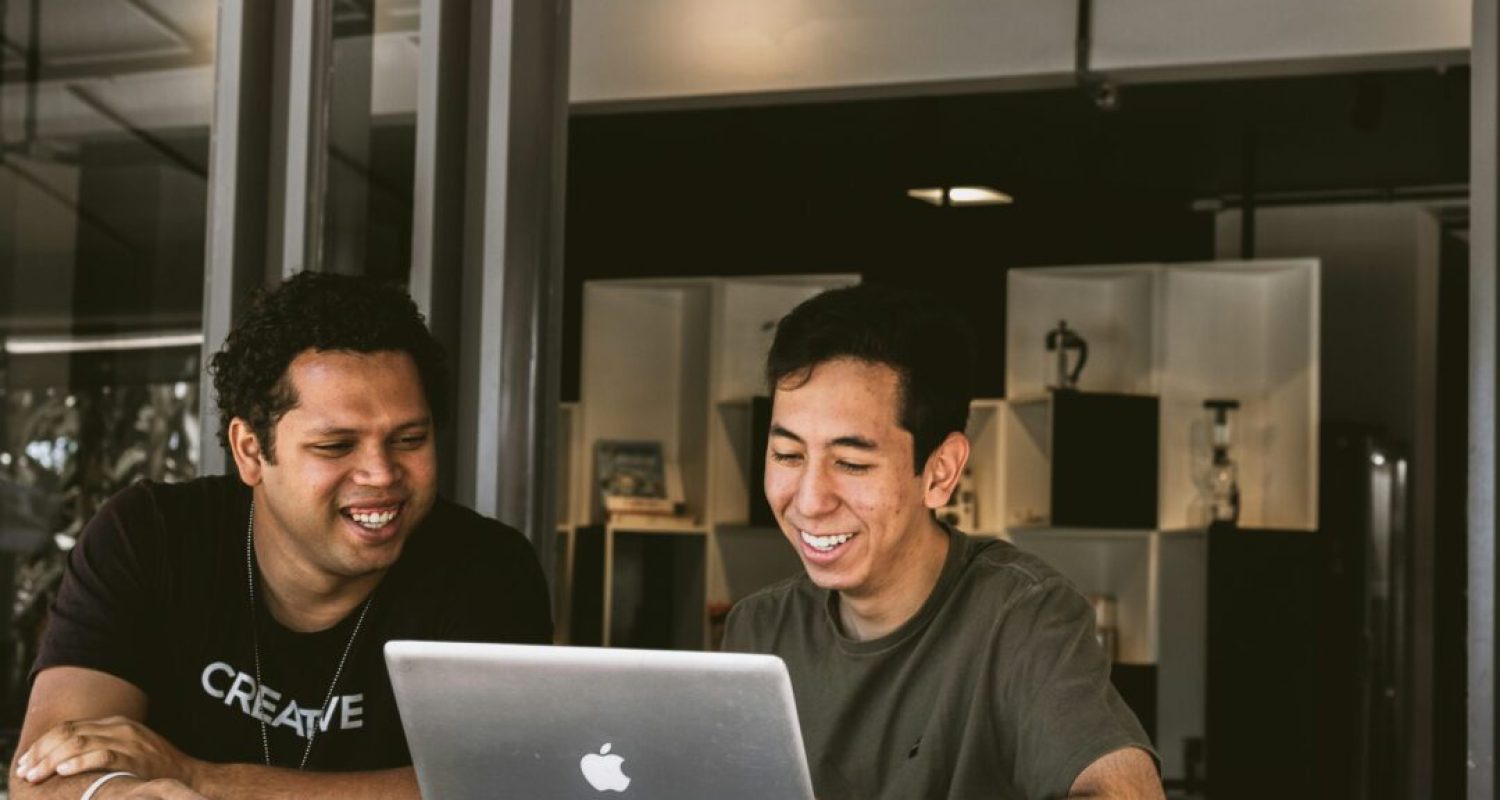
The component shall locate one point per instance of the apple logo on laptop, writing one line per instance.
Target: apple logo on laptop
(602, 770)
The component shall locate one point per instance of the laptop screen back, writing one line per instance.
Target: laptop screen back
(486, 721)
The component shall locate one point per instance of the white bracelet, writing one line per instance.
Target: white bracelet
(88, 794)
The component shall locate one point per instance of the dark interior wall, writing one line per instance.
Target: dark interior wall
(821, 187)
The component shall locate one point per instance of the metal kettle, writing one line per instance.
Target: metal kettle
(1064, 340)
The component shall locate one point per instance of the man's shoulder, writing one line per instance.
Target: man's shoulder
(768, 609)
(452, 520)
(459, 537)
(999, 566)
(1002, 583)
(468, 577)
(209, 490)
(795, 590)
(200, 489)
(170, 509)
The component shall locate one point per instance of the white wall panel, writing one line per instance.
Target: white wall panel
(661, 50)
(1150, 34)
(667, 50)
(654, 49)
(1371, 269)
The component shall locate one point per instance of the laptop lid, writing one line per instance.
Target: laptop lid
(490, 720)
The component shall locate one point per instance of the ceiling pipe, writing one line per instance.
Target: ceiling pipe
(1101, 90)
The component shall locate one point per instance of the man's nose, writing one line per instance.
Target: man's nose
(376, 467)
(815, 493)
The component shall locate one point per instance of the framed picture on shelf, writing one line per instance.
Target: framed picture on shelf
(634, 478)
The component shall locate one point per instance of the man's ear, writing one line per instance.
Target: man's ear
(245, 448)
(944, 468)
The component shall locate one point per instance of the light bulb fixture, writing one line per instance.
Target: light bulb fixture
(977, 196)
(961, 196)
(933, 196)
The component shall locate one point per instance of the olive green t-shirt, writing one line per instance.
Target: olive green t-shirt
(997, 687)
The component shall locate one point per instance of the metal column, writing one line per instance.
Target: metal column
(237, 190)
(264, 167)
(1483, 302)
(487, 260)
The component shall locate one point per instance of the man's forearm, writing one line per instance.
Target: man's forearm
(235, 781)
(57, 787)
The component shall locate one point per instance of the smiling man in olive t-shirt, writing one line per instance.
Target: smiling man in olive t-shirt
(925, 663)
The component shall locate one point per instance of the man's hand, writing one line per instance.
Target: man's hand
(109, 744)
(113, 738)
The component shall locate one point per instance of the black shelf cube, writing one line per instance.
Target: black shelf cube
(1104, 460)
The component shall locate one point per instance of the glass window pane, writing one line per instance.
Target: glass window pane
(372, 101)
(104, 123)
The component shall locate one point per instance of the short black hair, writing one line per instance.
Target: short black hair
(320, 312)
(926, 341)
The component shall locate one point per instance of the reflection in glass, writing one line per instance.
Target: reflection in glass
(104, 122)
(371, 138)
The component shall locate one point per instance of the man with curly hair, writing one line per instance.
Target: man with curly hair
(223, 637)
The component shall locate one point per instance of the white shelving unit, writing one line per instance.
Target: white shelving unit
(1246, 330)
(986, 432)
(678, 361)
(644, 352)
(1024, 462)
(1114, 308)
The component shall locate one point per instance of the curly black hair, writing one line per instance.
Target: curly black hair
(926, 341)
(322, 312)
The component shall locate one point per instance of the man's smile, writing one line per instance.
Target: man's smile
(374, 518)
(825, 543)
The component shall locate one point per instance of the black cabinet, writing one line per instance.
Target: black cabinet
(760, 431)
(1309, 693)
(1084, 460)
(639, 588)
(1266, 658)
(1104, 460)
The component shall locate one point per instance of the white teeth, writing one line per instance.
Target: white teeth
(373, 520)
(825, 542)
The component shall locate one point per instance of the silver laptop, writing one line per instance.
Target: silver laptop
(490, 720)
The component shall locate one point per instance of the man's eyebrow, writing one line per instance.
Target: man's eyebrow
(777, 430)
(856, 442)
(335, 430)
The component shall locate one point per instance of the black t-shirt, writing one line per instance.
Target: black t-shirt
(156, 593)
